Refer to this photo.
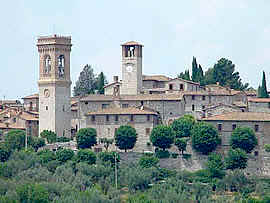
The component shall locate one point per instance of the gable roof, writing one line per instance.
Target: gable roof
(160, 78)
(33, 96)
(259, 100)
(240, 116)
(187, 81)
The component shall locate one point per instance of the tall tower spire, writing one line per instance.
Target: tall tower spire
(54, 84)
(131, 68)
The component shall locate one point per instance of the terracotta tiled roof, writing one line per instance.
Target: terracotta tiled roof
(123, 111)
(11, 126)
(10, 102)
(187, 81)
(161, 78)
(221, 93)
(140, 97)
(28, 116)
(259, 100)
(130, 43)
(251, 93)
(213, 106)
(240, 116)
(33, 96)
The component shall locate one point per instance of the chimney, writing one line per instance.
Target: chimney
(115, 78)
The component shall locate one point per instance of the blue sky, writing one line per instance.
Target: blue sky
(172, 33)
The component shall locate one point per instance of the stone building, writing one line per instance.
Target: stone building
(31, 103)
(54, 84)
(259, 160)
(259, 105)
(106, 121)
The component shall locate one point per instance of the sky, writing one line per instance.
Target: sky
(171, 31)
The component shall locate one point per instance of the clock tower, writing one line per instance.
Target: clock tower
(131, 68)
(54, 84)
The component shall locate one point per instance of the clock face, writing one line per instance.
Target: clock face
(129, 68)
(46, 93)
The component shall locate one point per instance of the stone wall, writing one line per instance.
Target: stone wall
(259, 107)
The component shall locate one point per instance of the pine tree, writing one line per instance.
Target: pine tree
(263, 89)
(185, 75)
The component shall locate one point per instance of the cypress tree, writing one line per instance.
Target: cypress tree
(194, 70)
(263, 89)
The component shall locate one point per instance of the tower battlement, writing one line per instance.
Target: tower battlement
(54, 39)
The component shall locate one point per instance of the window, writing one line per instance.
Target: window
(124, 105)
(115, 131)
(46, 107)
(148, 117)
(107, 118)
(233, 126)
(256, 128)
(181, 87)
(193, 107)
(203, 97)
(116, 118)
(147, 131)
(85, 103)
(31, 106)
(61, 66)
(14, 120)
(256, 153)
(47, 67)
(193, 97)
(141, 103)
(203, 107)
(93, 118)
(131, 118)
(219, 127)
(170, 86)
(104, 106)
(63, 133)
(63, 107)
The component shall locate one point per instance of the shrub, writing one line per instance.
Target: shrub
(35, 142)
(4, 153)
(162, 154)
(62, 139)
(86, 138)
(64, 155)
(108, 158)
(148, 161)
(86, 155)
(46, 156)
(236, 159)
(15, 139)
(32, 193)
(174, 155)
(162, 136)
(204, 137)
(267, 147)
(215, 166)
(125, 137)
(243, 138)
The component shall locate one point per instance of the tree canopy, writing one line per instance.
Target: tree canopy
(204, 137)
(86, 138)
(243, 138)
(262, 90)
(125, 137)
(236, 159)
(182, 126)
(162, 136)
(88, 83)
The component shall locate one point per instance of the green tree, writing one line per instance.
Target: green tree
(35, 142)
(263, 89)
(101, 81)
(32, 193)
(215, 166)
(204, 137)
(224, 73)
(184, 75)
(243, 138)
(15, 139)
(162, 136)
(108, 158)
(181, 144)
(182, 126)
(86, 155)
(267, 147)
(4, 153)
(46, 156)
(125, 137)
(86, 84)
(194, 70)
(64, 155)
(236, 159)
(147, 161)
(49, 135)
(86, 138)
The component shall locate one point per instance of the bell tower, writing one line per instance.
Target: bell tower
(54, 84)
(131, 68)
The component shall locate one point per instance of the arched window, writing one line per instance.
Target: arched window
(61, 66)
(47, 67)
